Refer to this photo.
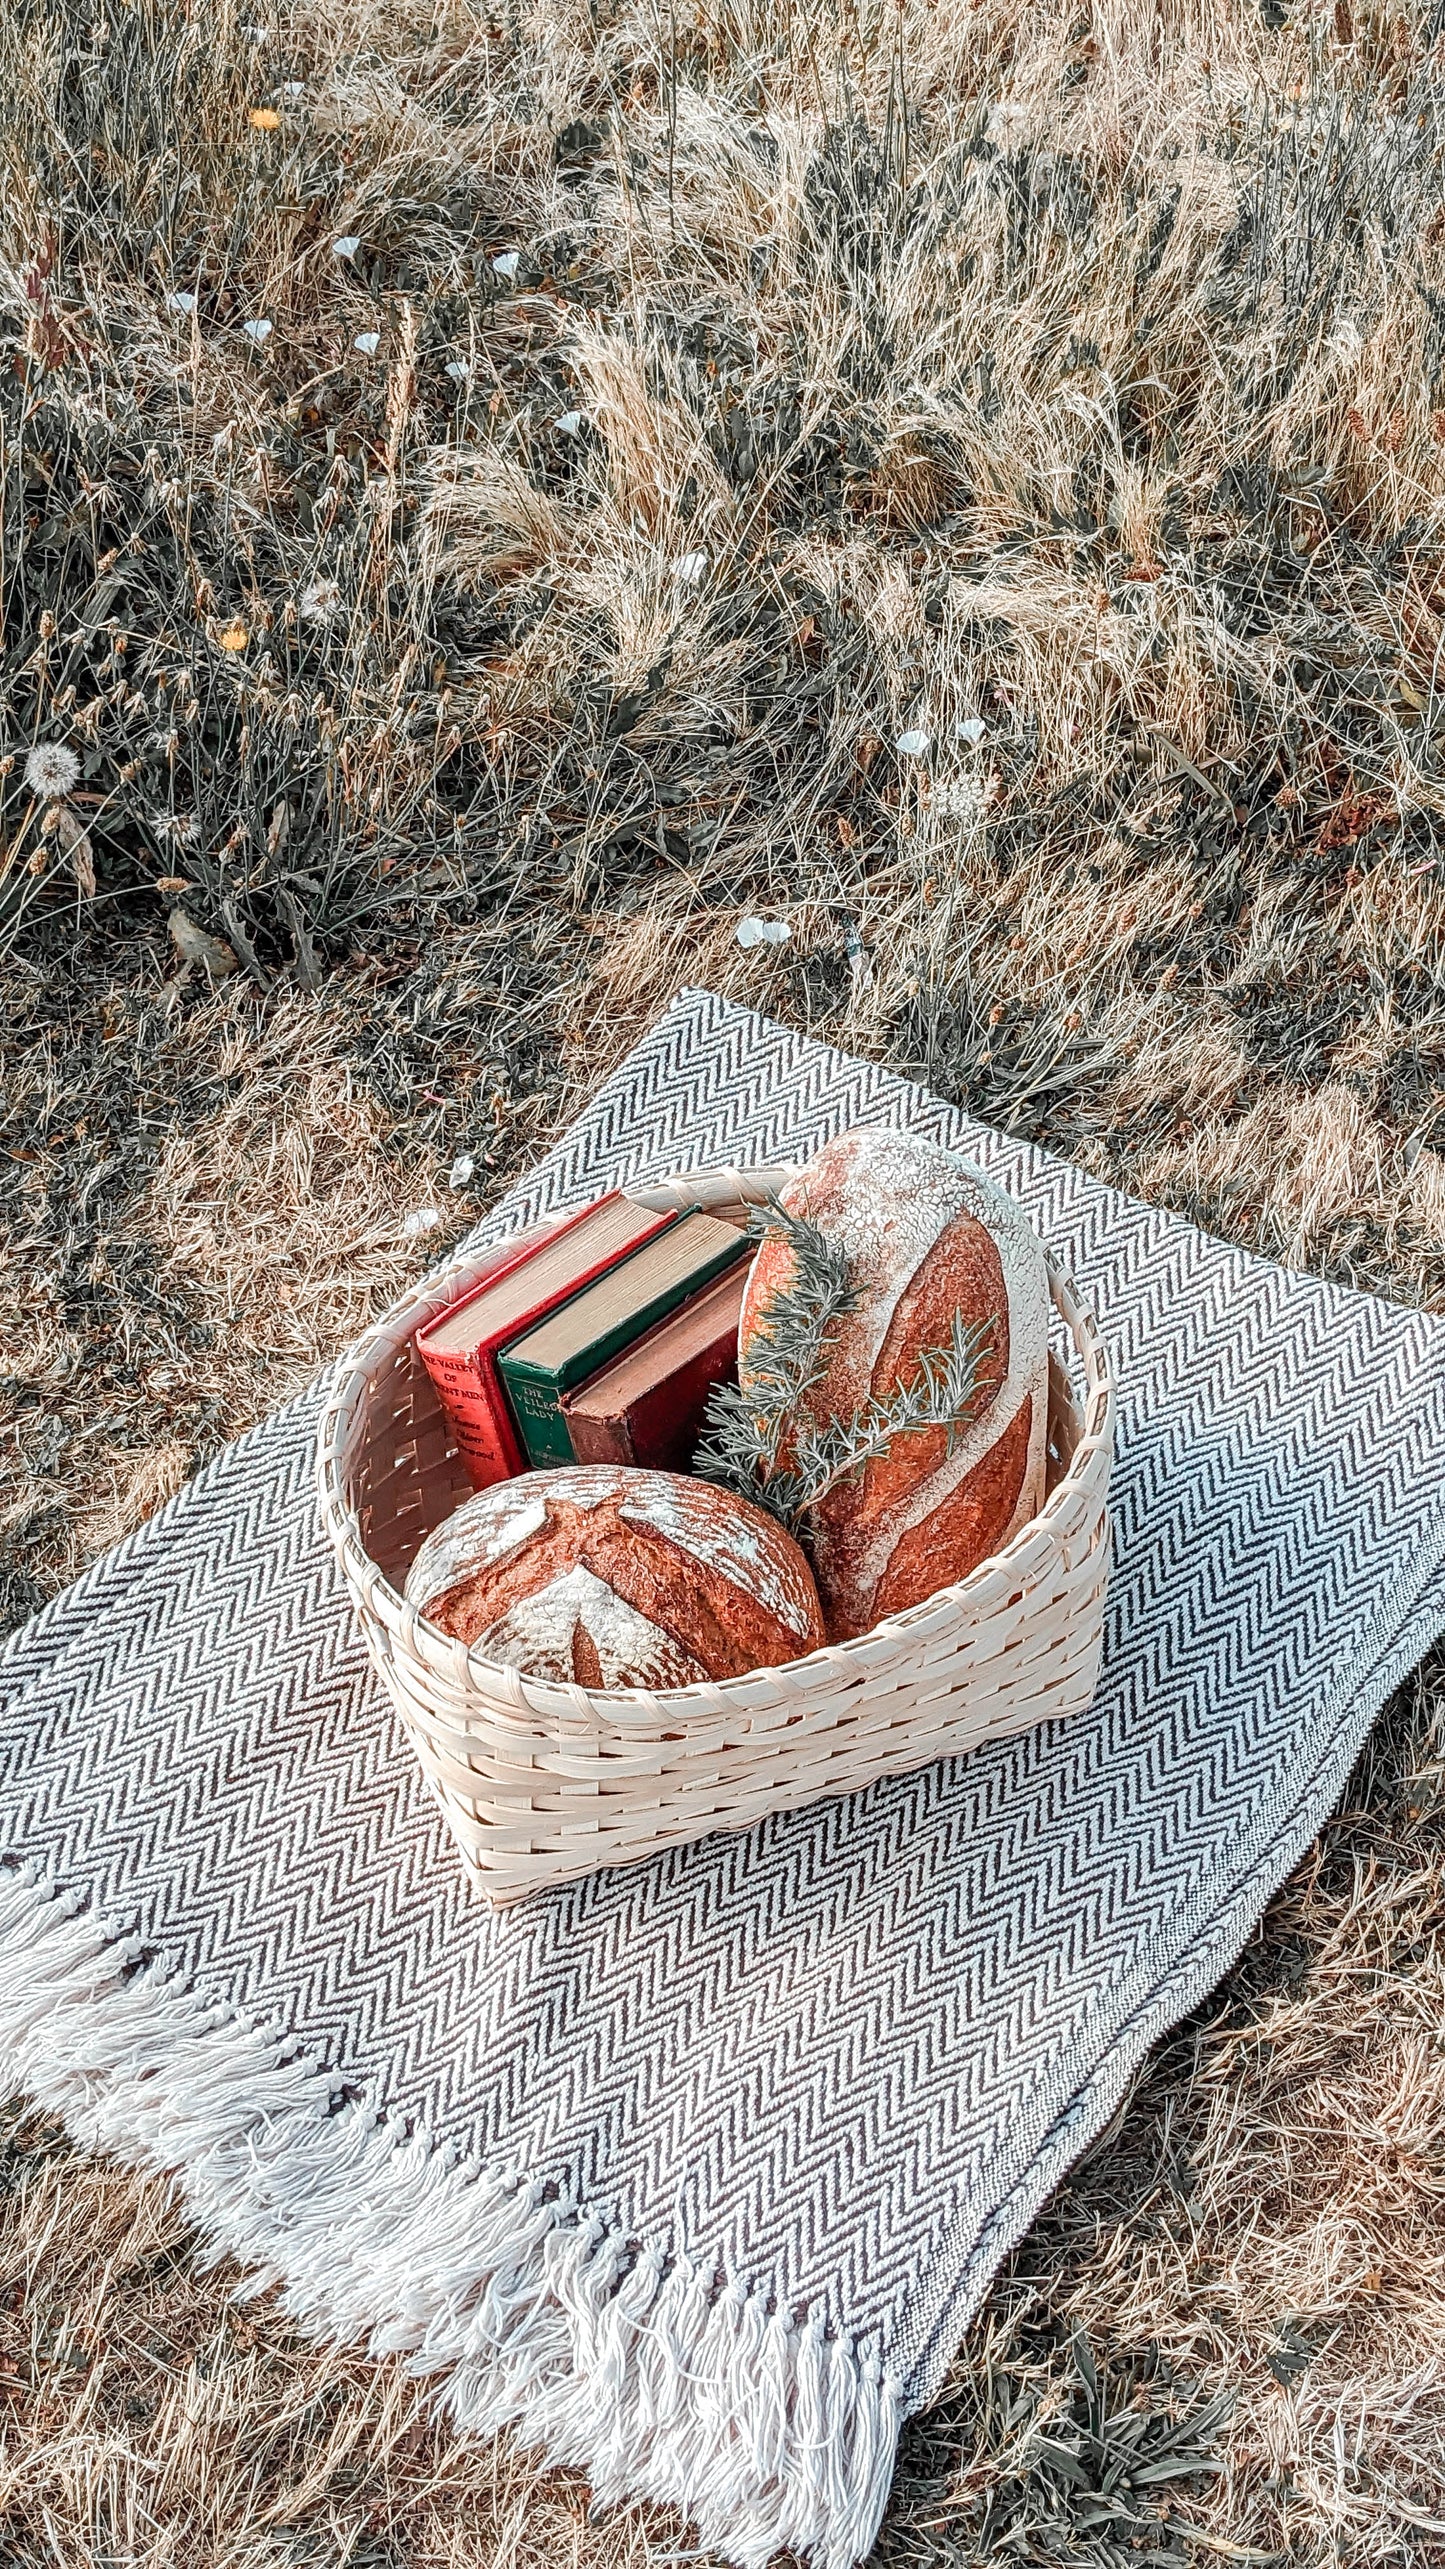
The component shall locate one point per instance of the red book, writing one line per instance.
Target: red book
(647, 1406)
(459, 1348)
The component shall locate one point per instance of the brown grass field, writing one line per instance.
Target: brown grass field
(441, 643)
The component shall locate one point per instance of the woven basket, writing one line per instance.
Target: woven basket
(540, 1782)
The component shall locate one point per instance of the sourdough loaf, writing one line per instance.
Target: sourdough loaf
(612, 1577)
(926, 1235)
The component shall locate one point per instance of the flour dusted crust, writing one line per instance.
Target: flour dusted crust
(926, 1235)
(612, 1577)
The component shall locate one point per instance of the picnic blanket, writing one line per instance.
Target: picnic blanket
(694, 2172)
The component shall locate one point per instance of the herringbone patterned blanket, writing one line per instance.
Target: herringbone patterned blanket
(695, 2171)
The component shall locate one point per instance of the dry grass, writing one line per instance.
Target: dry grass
(1067, 384)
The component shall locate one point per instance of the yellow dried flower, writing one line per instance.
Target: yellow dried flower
(265, 119)
(233, 636)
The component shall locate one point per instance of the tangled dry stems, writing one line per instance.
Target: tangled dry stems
(1064, 385)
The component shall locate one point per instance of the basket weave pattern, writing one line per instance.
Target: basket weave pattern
(540, 1782)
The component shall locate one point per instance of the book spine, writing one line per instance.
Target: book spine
(600, 1440)
(476, 1415)
(536, 1404)
(664, 1424)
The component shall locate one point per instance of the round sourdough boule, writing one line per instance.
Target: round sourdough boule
(614, 1577)
(926, 1235)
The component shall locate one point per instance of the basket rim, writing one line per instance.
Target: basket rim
(997, 1576)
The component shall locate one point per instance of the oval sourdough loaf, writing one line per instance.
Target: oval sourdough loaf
(926, 1235)
(612, 1577)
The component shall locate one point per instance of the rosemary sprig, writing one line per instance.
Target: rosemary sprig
(747, 1427)
(743, 1431)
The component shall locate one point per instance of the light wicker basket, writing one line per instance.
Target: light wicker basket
(540, 1782)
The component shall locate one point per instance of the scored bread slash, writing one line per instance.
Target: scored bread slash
(610, 1577)
(938, 1260)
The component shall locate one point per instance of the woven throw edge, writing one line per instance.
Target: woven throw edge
(660, 2378)
(1214, 1951)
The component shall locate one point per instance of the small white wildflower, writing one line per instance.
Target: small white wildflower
(462, 1169)
(51, 769)
(319, 601)
(763, 932)
(257, 331)
(971, 731)
(570, 424)
(293, 89)
(914, 744)
(691, 568)
(347, 246)
(368, 341)
(458, 369)
(507, 265)
(180, 302)
(425, 1218)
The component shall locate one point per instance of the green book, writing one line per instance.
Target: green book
(587, 1332)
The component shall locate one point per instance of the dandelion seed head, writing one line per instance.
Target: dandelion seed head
(1008, 125)
(52, 770)
(961, 798)
(1213, 201)
(320, 600)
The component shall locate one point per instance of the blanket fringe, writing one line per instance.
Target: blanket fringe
(658, 2377)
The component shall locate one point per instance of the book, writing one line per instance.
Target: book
(545, 1362)
(646, 1407)
(459, 1348)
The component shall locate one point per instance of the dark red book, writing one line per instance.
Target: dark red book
(459, 1349)
(646, 1407)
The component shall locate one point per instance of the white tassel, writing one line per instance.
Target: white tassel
(656, 2373)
